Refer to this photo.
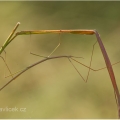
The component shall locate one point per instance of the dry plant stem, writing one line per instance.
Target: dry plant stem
(110, 70)
(27, 68)
(87, 32)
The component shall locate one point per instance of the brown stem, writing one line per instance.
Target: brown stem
(27, 68)
(87, 32)
(110, 70)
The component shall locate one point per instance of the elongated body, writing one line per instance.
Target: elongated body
(78, 31)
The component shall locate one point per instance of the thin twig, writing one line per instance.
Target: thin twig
(27, 68)
(87, 32)
(110, 70)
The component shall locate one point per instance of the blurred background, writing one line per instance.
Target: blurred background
(54, 89)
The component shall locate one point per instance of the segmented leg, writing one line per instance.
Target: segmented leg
(89, 68)
(6, 66)
(51, 52)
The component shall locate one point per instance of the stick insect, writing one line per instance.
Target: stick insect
(13, 35)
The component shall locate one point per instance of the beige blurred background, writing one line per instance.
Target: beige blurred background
(54, 89)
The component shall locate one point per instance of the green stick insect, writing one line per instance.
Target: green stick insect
(13, 35)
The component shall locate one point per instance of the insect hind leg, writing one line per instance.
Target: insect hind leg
(89, 67)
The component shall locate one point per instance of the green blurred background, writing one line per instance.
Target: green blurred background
(54, 89)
